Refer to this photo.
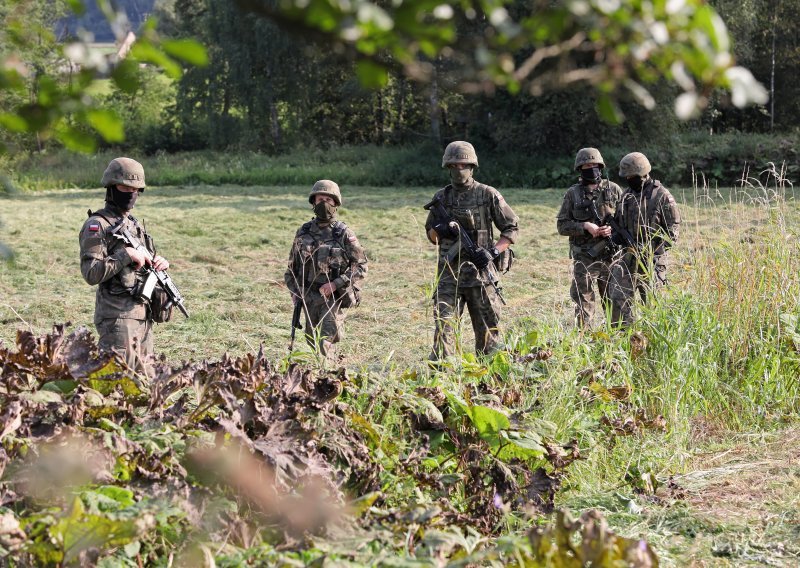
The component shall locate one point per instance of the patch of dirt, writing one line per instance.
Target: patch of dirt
(755, 480)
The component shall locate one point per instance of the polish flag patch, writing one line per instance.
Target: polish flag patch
(352, 239)
(94, 228)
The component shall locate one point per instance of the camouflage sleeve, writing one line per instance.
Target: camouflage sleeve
(429, 225)
(504, 217)
(565, 224)
(98, 264)
(670, 217)
(289, 277)
(357, 269)
(430, 220)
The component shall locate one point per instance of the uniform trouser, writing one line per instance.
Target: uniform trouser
(132, 339)
(324, 323)
(585, 272)
(484, 312)
(629, 275)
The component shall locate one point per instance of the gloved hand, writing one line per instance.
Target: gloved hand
(444, 230)
(482, 258)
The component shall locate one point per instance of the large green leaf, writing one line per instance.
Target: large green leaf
(489, 422)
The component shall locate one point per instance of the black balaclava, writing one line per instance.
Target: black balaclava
(122, 199)
(325, 211)
(590, 175)
(636, 183)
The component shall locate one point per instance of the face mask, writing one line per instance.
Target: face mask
(590, 175)
(122, 199)
(460, 177)
(324, 211)
(636, 183)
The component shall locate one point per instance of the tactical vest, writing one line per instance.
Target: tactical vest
(592, 209)
(473, 214)
(329, 257)
(127, 280)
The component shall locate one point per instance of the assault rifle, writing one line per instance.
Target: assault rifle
(440, 213)
(619, 234)
(154, 276)
(298, 308)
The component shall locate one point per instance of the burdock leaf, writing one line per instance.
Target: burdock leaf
(489, 422)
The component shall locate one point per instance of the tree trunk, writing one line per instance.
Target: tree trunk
(379, 118)
(435, 112)
(275, 126)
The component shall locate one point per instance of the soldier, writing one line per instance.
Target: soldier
(124, 319)
(326, 268)
(648, 221)
(464, 280)
(585, 206)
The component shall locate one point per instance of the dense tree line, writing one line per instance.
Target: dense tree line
(271, 88)
(267, 89)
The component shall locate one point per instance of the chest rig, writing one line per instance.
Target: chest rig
(592, 207)
(472, 209)
(127, 280)
(324, 257)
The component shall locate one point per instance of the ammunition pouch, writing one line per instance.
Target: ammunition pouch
(157, 298)
(160, 306)
(600, 250)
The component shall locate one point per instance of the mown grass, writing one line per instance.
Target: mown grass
(722, 341)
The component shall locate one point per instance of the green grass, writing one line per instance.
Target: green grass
(719, 161)
(721, 358)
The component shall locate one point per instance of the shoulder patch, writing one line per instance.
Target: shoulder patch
(352, 239)
(93, 227)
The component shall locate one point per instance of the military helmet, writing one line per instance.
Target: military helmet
(124, 171)
(634, 164)
(459, 152)
(588, 156)
(326, 187)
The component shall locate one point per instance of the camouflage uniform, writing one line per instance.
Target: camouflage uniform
(323, 253)
(476, 207)
(652, 218)
(122, 320)
(591, 256)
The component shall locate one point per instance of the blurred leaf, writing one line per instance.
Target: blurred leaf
(125, 76)
(188, 50)
(371, 74)
(77, 6)
(13, 122)
(608, 110)
(77, 140)
(108, 124)
(147, 52)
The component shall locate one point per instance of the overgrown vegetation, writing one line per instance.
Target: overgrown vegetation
(414, 467)
(718, 161)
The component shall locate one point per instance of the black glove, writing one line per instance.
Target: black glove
(482, 258)
(443, 229)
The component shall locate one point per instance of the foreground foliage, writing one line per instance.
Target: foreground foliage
(98, 465)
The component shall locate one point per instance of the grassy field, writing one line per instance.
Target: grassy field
(720, 364)
(228, 248)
